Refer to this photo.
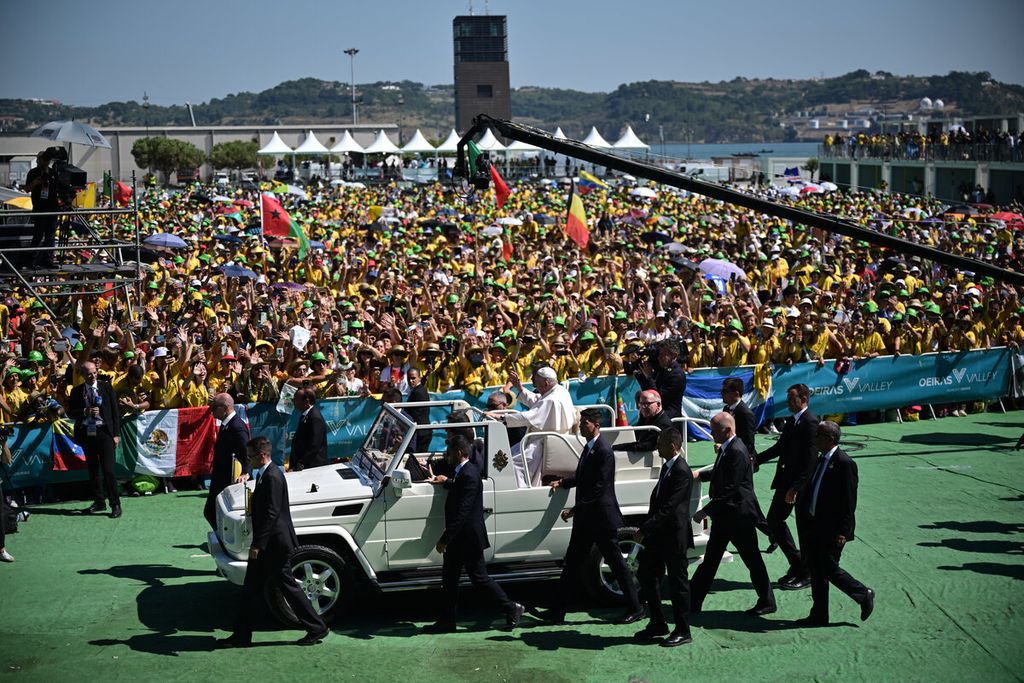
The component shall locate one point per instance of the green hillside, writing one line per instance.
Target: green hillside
(740, 110)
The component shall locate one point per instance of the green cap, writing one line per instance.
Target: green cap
(318, 356)
(735, 324)
(35, 356)
(453, 298)
(498, 345)
(560, 320)
(153, 285)
(870, 307)
(129, 354)
(307, 304)
(620, 315)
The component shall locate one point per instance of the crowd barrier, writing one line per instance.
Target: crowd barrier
(876, 384)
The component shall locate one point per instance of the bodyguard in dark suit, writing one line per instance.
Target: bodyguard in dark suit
(464, 539)
(666, 535)
(733, 512)
(421, 416)
(230, 446)
(596, 520)
(273, 542)
(309, 445)
(732, 396)
(796, 452)
(825, 520)
(651, 415)
(93, 405)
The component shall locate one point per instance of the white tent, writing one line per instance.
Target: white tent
(382, 145)
(519, 146)
(450, 143)
(275, 146)
(629, 140)
(418, 143)
(594, 139)
(347, 144)
(311, 146)
(489, 143)
(559, 135)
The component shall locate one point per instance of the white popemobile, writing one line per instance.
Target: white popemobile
(368, 522)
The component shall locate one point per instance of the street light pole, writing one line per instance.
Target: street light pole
(352, 52)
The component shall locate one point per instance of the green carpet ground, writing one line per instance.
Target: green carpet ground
(940, 537)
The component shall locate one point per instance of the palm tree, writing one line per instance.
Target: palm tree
(812, 167)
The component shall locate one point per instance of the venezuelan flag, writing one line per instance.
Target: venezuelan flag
(588, 182)
(67, 455)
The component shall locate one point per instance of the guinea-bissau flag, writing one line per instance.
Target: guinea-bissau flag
(274, 218)
(171, 443)
(576, 220)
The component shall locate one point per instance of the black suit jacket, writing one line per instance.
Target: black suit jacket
(419, 394)
(647, 440)
(272, 530)
(796, 452)
(731, 485)
(835, 513)
(309, 446)
(109, 413)
(464, 526)
(667, 525)
(671, 384)
(594, 480)
(745, 426)
(231, 442)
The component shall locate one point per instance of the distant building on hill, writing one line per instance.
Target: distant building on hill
(481, 69)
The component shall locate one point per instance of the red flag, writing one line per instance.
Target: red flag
(506, 248)
(276, 220)
(501, 191)
(620, 411)
(576, 220)
(122, 193)
(197, 432)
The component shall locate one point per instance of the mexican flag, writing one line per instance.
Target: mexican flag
(171, 443)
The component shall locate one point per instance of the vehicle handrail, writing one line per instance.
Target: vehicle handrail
(598, 406)
(533, 436)
(698, 423)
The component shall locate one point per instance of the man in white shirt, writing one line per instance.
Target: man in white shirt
(549, 409)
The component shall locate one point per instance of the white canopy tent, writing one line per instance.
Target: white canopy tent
(450, 144)
(519, 146)
(311, 145)
(489, 143)
(418, 143)
(559, 135)
(382, 145)
(275, 146)
(594, 139)
(630, 141)
(347, 144)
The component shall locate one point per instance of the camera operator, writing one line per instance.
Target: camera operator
(660, 370)
(41, 185)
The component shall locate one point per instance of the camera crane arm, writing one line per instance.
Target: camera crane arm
(578, 150)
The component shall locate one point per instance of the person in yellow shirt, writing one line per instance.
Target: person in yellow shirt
(734, 345)
(13, 397)
(766, 346)
(867, 342)
(194, 391)
(702, 350)
(475, 372)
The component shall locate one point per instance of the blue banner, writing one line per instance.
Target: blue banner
(893, 382)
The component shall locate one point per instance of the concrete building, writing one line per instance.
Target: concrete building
(481, 69)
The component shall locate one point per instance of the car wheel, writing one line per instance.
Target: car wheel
(319, 572)
(597, 575)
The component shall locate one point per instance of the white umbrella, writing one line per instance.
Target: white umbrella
(643, 192)
(791, 191)
(828, 186)
(492, 231)
(75, 132)
(509, 220)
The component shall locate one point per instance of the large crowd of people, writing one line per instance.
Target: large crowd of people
(401, 278)
(957, 144)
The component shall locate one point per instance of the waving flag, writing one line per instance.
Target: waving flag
(172, 443)
(501, 191)
(703, 397)
(620, 411)
(576, 220)
(67, 455)
(274, 218)
(588, 182)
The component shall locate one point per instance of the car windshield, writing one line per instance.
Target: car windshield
(382, 444)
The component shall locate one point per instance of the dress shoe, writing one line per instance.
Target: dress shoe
(760, 610)
(811, 621)
(799, 583)
(651, 631)
(95, 507)
(785, 578)
(677, 638)
(440, 627)
(631, 617)
(115, 512)
(234, 641)
(867, 606)
(312, 638)
(549, 615)
(513, 616)
(6, 556)
(772, 547)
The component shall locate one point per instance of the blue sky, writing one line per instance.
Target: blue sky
(86, 54)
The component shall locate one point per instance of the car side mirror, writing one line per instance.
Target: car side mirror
(400, 480)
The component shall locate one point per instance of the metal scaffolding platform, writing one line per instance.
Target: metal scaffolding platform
(95, 253)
